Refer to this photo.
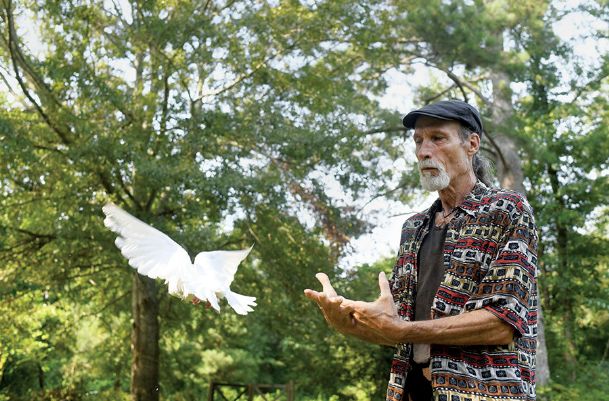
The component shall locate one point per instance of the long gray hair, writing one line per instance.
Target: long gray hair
(482, 166)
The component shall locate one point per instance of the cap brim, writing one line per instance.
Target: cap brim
(411, 118)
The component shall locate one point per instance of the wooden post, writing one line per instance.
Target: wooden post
(210, 393)
(290, 390)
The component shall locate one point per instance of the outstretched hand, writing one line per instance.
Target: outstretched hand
(379, 317)
(330, 304)
(339, 312)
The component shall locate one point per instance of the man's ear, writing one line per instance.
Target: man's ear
(473, 142)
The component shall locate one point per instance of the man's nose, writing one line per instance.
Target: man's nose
(424, 150)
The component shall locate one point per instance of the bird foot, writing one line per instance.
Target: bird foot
(197, 301)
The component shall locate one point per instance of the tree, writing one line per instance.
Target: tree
(186, 115)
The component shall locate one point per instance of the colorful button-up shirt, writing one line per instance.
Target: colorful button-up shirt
(490, 263)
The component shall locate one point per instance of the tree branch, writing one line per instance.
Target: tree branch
(385, 129)
(459, 84)
(382, 195)
(17, 59)
(106, 306)
(238, 80)
(466, 84)
(127, 191)
(431, 99)
(31, 233)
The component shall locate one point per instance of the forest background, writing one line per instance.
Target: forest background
(227, 123)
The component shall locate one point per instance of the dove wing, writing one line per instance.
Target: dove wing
(149, 250)
(219, 267)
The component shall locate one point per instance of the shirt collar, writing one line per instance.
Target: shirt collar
(474, 198)
(471, 202)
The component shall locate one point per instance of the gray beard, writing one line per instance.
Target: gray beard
(437, 183)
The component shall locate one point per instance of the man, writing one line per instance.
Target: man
(461, 306)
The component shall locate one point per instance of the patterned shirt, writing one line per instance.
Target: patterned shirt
(490, 263)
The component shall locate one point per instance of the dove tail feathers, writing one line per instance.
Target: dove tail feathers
(240, 303)
(213, 300)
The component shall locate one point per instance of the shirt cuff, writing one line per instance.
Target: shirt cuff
(510, 317)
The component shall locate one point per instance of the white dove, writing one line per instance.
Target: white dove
(156, 255)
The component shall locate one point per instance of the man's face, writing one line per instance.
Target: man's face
(443, 157)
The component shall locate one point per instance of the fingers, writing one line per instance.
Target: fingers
(323, 299)
(329, 301)
(325, 283)
(311, 294)
(327, 289)
(384, 285)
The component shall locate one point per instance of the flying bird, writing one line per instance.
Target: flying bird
(156, 255)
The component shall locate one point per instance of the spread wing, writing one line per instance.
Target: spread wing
(149, 250)
(219, 267)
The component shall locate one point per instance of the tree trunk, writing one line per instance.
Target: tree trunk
(562, 244)
(542, 368)
(511, 176)
(509, 165)
(145, 340)
(605, 354)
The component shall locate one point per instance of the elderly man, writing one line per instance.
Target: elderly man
(461, 306)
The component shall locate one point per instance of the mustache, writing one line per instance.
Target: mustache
(429, 163)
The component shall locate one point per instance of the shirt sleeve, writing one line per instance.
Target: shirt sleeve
(509, 287)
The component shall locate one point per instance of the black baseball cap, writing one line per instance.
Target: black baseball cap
(448, 110)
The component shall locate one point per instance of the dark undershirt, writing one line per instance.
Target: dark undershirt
(430, 275)
(430, 270)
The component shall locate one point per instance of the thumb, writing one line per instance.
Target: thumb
(384, 285)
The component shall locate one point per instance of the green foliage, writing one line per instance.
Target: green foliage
(216, 123)
(567, 144)
(591, 384)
